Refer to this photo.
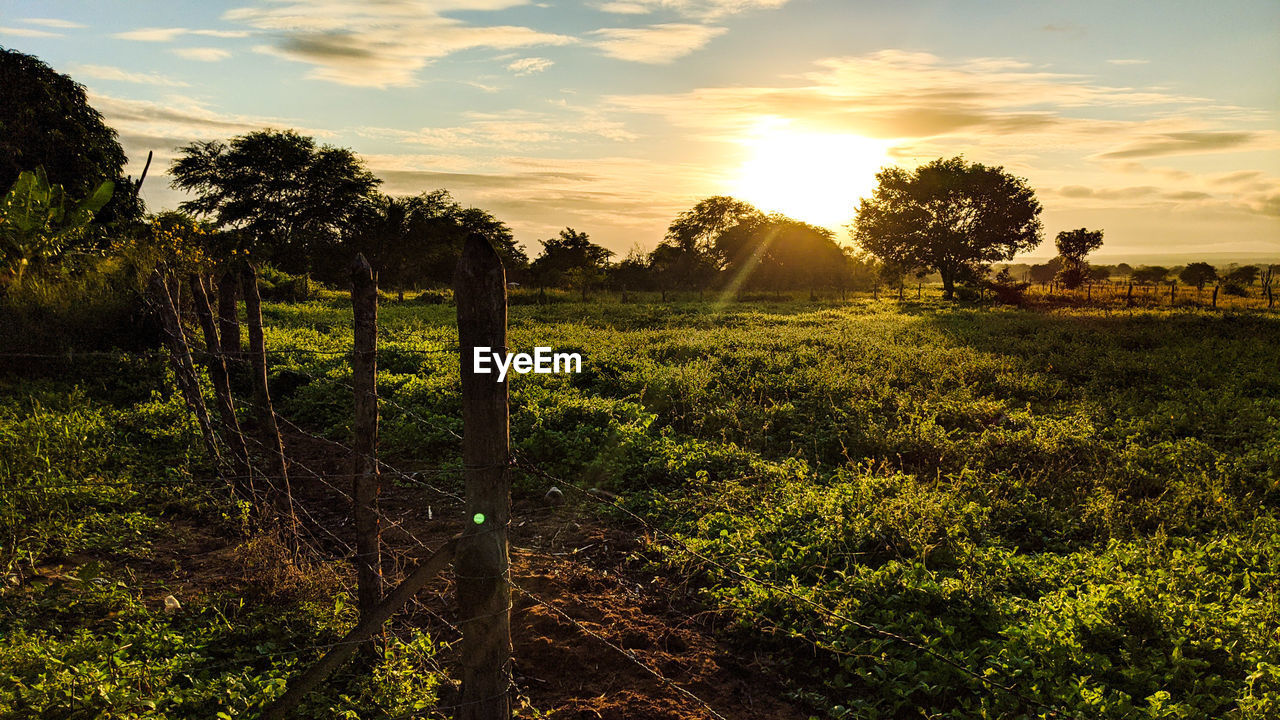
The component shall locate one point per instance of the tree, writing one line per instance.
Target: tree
(1099, 273)
(1149, 274)
(777, 252)
(1045, 272)
(1198, 273)
(46, 122)
(689, 255)
(1073, 246)
(416, 240)
(285, 195)
(571, 259)
(1243, 275)
(949, 215)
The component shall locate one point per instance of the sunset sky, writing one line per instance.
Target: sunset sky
(1158, 122)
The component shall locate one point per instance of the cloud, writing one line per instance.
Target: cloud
(202, 54)
(1184, 143)
(54, 23)
(28, 32)
(539, 196)
(1128, 61)
(1235, 178)
(529, 65)
(164, 35)
(381, 44)
(1122, 193)
(655, 44)
(515, 130)
(697, 9)
(1001, 106)
(109, 72)
(625, 8)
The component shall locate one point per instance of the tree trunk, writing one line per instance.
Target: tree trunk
(948, 284)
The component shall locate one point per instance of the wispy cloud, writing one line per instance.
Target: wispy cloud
(109, 72)
(1183, 143)
(28, 32)
(202, 54)
(381, 44)
(1128, 61)
(169, 34)
(529, 65)
(53, 23)
(698, 9)
(655, 44)
(625, 8)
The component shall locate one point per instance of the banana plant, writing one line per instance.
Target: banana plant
(38, 221)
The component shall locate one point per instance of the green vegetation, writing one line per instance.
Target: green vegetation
(98, 477)
(1080, 504)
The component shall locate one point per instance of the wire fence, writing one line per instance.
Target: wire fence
(313, 533)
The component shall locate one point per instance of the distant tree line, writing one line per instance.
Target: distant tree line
(279, 198)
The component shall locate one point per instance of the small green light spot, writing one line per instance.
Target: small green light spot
(478, 518)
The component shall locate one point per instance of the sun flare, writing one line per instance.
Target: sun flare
(811, 176)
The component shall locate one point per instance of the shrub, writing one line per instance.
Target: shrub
(96, 307)
(278, 285)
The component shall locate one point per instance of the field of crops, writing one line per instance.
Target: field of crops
(1078, 505)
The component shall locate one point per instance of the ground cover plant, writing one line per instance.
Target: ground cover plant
(1078, 504)
(100, 477)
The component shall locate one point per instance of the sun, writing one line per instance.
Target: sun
(811, 176)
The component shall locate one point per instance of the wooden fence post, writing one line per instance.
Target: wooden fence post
(266, 414)
(229, 317)
(364, 491)
(1215, 296)
(180, 357)
(221, 385)
(484, 596)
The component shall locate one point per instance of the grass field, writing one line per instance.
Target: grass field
(1078, 504)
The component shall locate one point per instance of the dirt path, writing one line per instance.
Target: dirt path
(592, 592)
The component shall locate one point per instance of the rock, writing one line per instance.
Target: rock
(554, 496)
(171, 604)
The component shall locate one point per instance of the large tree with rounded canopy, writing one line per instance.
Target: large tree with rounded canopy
(950, 215)
(46, 121)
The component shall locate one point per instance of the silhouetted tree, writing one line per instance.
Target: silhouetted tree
(777, 252)
(1045, 272)
(1198, 273)
(949, 215)
(1149, 274)
(1073, 246)
(1099, 273)
(415, 241)
(689, 255)
(46, 122)
(570, 259)
(285, 195)
(1243, 275)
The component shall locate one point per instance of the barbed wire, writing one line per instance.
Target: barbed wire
(821, 609)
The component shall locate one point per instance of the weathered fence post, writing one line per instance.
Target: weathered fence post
(1173, 291)
(481, 567)
(228, 317)
(184, 371)
(221, 385)
(364, 495)
(271, 441)
(1215, 296)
